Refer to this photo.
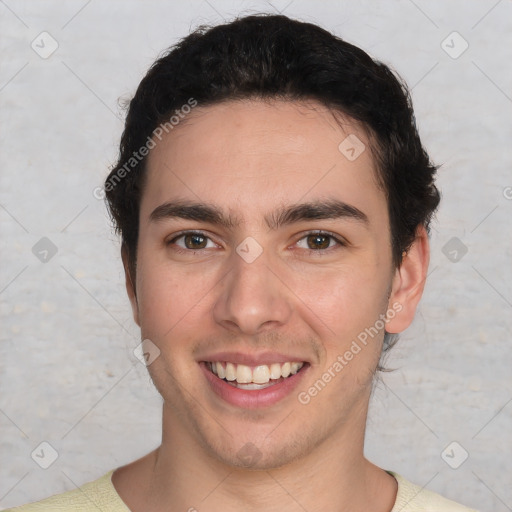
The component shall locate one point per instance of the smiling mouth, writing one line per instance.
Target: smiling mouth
(252, 378)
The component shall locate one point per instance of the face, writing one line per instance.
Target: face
(252, 280)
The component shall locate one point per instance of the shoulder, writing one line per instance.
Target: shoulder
(413, 498)
(90, 497)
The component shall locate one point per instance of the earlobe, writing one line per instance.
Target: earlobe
(409, 283)
(130, 285)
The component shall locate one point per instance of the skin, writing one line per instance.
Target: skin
(248, 157)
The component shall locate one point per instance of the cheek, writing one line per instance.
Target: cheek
(162, 299)
(346, 299)
(174, 300)
(346, 307)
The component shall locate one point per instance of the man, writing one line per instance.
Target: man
(273, 199)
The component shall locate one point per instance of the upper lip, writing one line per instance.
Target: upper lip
(252, 359)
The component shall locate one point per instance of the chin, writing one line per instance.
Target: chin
(263, 454)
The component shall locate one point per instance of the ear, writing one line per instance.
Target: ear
(409, 282)
(130, 287)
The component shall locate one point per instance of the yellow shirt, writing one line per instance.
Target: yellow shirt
(101, 495)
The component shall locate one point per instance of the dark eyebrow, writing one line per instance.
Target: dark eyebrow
(282, 216)
(316, 210)
(202, 212)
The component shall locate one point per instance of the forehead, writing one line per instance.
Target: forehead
(249, 155)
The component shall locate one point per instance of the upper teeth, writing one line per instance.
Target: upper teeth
(259, 374)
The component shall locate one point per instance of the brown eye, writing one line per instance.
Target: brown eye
(190, 241)
(194, 241)
(318, 241)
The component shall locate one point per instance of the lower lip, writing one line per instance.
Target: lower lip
(253, 398)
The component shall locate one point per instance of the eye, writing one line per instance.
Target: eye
(319, 241)
(196, 241)
(192, 241)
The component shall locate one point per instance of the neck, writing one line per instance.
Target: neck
(187, 475)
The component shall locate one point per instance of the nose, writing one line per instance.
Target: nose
(253, 297)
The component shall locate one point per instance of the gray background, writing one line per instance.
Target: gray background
(68, 373)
